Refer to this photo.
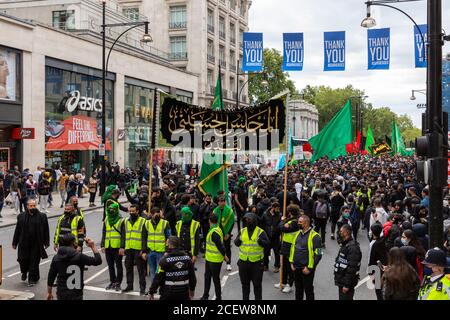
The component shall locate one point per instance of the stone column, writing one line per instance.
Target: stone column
(119, 119)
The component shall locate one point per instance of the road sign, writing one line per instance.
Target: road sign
(101, 149)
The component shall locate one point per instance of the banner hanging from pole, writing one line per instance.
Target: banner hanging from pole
(334, 51)
(419, 46)
(293, 52)
(253, 52)
(378, 47)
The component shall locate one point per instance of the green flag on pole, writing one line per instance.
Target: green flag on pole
(334, 137)
(397, 143)
(213, 174)
(369, 140)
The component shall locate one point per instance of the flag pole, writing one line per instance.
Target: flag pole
(223, 153)
(152, 147)
(285, 184)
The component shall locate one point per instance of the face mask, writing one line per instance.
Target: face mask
(405, 242)
(67, 212)
(346, 215)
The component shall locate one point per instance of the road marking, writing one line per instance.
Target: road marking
(233, 273)
(224, 281)
(90, 288)
(362, 282)
(96, 275)
(14, 274)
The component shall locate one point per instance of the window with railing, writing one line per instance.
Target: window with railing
(177, 17)
(210, 77)
(178, 48)
(222, 32)
(232, 33)
(232, 60)
(211, 20)
(131, 13)
(241, 38)
(242, 8)
(233, 5)
(232, 85)
(210, 51)
(64, 19)
(222, 56)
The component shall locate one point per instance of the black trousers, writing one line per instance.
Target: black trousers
(275, 246)
(288, 274)
(320, 224)
(30, 264)
(304, 284)
(212, 270)
(251, 272)
(239, 215)
(114, 261)
(227, 244)
(346, 296)
(132, 259)
(92, 197)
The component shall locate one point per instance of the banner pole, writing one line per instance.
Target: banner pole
(152, 147)
(285, 185)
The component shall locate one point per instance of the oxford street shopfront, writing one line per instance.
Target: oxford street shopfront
(73, 116)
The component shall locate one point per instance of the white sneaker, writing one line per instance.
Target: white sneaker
(277, 285)
(229, 268)
(287, 289)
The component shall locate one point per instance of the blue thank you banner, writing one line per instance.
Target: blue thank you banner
(253, 52)
(293, 52)
(420, 47)
(378, 47)
(334, 51)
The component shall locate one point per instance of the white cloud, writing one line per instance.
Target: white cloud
(313, 17)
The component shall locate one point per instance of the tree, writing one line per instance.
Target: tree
(278, 80)
(409, 135)
(329, 101)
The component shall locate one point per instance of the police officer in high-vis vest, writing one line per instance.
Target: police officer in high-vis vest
(188, 230)
(304, 257)
(70, 222)
(158, 231)
(215, 255)
(436, 286)
(135, 242)
(252, 241)
(113, 244)
(288, 226)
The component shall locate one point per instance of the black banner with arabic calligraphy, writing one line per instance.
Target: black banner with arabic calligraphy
(185, 126)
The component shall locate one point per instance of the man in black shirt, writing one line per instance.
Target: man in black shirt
(240, 200)
(68, 268)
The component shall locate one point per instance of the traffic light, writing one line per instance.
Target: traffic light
(429, 145)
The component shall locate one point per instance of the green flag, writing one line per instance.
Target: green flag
(218, 99)
(214, 174)
(369, 140)
(397, 143)
(334, 137)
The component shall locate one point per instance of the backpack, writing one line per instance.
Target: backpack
(321, 211)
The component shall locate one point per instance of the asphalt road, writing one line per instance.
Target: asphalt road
(96, 278)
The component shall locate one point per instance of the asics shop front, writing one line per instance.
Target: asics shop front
(73, 116)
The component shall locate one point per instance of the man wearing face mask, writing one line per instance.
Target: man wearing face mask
(158, 231)
(271, 221)
(226, 222)
(135, 242)
(347, 264)
(113, 244)
(304, 257)
(31, 238)
(140, 200)
(436, 286)
(252, 241)
(70, 222)
(78, 211)
(205, 211)
(188, 230)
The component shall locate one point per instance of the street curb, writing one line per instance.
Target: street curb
(56, 216)
(16, 295)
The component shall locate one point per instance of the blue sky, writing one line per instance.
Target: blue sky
(391, 87)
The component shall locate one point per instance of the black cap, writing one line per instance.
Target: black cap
(436, 257)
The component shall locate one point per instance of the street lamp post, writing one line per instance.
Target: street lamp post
(434, 144)
(105, 60)
(422, 91)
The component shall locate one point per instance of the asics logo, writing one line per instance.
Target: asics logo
(83, 103)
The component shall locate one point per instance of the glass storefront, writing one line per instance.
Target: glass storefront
(138, 120)
(73, 119)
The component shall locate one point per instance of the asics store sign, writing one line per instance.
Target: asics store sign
(76, 101)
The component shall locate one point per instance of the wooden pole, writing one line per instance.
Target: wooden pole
(285, 186)
(150, 176)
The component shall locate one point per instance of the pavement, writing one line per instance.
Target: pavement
(97, 278)
(9, 217)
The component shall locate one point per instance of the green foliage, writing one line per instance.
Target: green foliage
(329, 101)
(278, 80)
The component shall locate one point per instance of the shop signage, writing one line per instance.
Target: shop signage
(120, 134)
(77, 101)
(22, 133)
